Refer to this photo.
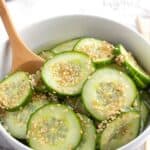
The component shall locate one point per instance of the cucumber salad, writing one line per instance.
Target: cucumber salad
(88, 95)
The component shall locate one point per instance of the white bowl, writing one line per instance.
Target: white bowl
(62, 28)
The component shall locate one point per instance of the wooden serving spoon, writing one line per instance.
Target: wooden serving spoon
(22, 57)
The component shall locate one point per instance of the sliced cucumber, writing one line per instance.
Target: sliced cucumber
(15, 91)
(46, 54)
(121, 131)
(108, 91)
(65, 46)
(131, 64)
(139, 83)
(16, 122)
(88, 140)
(101, 52)
(145, 97)
(54, 127)
(118, 67)
(144, 111)
(67, 72)
(145, 108)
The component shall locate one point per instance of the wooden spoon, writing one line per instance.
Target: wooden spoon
(22, 57)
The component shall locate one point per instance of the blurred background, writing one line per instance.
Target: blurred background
(26, 12)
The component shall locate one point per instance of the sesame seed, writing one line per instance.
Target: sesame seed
(97, 51)
(12, 92)
(66, 74)
(120, 59)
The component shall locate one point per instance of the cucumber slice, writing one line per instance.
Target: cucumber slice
(15, 91)
(54, 127)
(130, 63)
(145, 96)
(108, 91)
(88, 140)
(121, 131)
(139, 83)
(101, 52)
(118, 67)
(144, 111)
(65, 46)
(46, 54)
(67, 72)
(16, 122)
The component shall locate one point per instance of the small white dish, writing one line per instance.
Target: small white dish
(62, 28)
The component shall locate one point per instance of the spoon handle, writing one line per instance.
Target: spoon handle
(15, 40)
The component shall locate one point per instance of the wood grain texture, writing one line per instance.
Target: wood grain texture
(22, 57)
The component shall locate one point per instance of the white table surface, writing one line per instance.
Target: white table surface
(26, 12)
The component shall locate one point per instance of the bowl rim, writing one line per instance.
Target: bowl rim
(138, 140)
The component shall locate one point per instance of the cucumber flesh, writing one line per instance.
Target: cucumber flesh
(101, 52)
(54, 127)
(16, 122)
(131, 64)
(108, 91)
(145, 97)
(144, 111)
(89, 134)
(67, 72)
(15, 91)
(121, 131)
(46, 54)
(118, 67)
(65, 46)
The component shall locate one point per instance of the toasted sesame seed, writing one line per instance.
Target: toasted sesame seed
(51, 132)
(97, 51)
(120, 59)
(12, 92)
(66, 74)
